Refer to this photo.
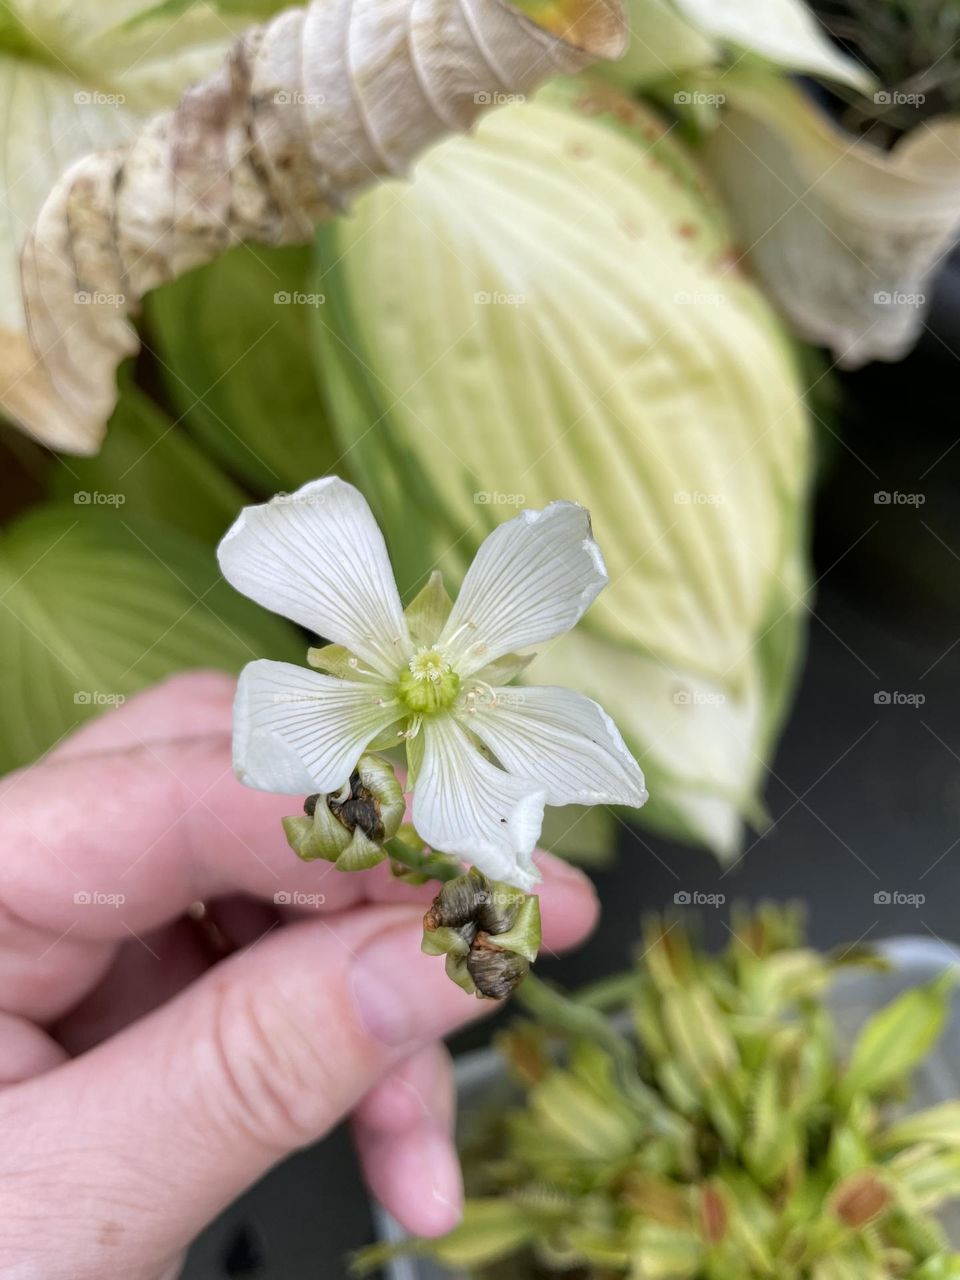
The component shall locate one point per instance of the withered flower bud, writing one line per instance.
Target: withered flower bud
(348, 827)
(489, 932)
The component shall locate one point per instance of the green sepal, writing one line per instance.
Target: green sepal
(444, 941)
(360, 854)
(457, 971)
(414, 759)
(333, 660)
(327, 836)
(428, 612)
(504, 670)
(525, 935)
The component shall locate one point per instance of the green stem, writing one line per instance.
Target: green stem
(434, 866)
(556, 1008)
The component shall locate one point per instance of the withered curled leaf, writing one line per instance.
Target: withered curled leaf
(305, 112)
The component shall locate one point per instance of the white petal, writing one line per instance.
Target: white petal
(465, 806)
(296, 731)
(559, 740)
(317, 556)
(531, 580)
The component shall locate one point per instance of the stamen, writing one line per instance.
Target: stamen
(412, 729)
(354, 665)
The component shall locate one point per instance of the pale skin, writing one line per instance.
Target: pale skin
(145, 1083)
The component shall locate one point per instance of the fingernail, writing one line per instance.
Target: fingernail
(562, 872)
(443, 1209)
(403, 996)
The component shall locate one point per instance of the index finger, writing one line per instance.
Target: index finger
(122, 828)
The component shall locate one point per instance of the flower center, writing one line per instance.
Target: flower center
(429, 683)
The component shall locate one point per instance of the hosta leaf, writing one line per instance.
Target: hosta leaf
(97, 603)
(844, 235)
(549, 311)
(672, 37)
(75, 78)
(235, 356)
(784, 32)
(152, 468)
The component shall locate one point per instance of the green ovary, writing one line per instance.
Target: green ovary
(429, 684)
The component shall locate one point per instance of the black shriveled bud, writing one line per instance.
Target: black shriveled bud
(489, 932)
(348, 827)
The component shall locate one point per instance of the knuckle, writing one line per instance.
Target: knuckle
(272, 1082)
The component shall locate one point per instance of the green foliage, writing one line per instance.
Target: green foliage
(155, 468)
(232, 343)
(732, 1138)
(912, 45)
(98, 602)
(251, 10)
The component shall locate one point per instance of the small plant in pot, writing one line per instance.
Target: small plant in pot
(712, 1117)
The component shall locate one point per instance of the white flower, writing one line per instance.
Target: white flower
(434, 677)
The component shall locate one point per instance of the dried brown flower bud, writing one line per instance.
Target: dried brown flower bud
(489, 932)
(349, 827)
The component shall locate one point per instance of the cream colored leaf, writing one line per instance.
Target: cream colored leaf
(845, 237)
(552, 310)
(784, 32)
(670, 38)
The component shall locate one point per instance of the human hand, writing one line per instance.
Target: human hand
(145, 1079)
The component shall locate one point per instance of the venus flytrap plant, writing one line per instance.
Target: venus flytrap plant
(483, 756)
(733, 1137)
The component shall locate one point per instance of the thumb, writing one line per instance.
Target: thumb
(154, 1131)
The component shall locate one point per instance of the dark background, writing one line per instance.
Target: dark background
(864, 795)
